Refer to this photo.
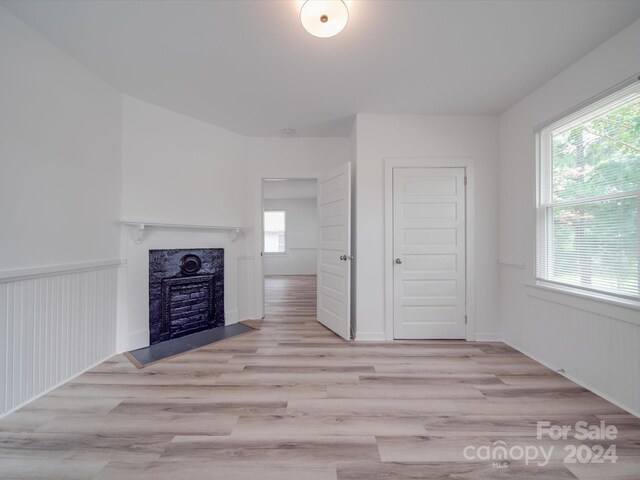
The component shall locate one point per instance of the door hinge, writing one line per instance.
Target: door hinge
(465, 319)
(465, 180)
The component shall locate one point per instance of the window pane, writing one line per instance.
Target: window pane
(274, 231)
(271, 242)
(595, 245)
(274, 221)
(599, 156)
(589, 177)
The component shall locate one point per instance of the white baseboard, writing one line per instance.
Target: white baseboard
(370, 337)
(49, 390)
(272, 275)
(380, 337)
(488, 337)
(578, 381)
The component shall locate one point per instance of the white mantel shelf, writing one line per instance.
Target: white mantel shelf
(141, 226)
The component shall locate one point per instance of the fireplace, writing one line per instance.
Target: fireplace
(186, 292)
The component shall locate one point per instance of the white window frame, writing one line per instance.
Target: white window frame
(543, 199)
(286, 243)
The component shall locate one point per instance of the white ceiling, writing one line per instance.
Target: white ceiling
(288, 189)
(249, 66)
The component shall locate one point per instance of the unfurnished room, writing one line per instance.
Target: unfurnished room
(319, 239)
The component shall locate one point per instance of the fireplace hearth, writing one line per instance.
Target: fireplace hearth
(186, 292)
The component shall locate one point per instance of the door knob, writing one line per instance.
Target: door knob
(343, 258)
(398, 261)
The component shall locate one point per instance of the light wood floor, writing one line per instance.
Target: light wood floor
(293, 401)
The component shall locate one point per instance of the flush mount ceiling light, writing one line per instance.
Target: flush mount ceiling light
(324, 18)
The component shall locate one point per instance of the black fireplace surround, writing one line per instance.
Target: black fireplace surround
(186, 292)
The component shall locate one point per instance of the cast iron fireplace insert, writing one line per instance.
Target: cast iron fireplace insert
(186, 292)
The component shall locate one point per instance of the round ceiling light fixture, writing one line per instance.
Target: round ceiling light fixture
(324, 18)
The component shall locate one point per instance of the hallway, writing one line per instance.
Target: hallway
(293, 401)
(290, 298)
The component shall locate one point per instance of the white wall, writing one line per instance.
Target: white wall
(59, 155)
(59, 208)
(411, 136)
(284, 158)
(301, 239)
(283, 189)
(588, 340)
(179, 170)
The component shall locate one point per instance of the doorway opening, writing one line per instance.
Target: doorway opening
(290, 249)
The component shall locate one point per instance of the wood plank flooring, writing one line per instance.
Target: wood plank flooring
(294, 401)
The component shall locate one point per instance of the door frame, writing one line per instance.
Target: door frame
(468, 163)
(259, 237)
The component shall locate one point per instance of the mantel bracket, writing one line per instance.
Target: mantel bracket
(139, 233)
(237, 235)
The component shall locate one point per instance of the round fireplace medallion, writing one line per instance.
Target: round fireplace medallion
(190, 264)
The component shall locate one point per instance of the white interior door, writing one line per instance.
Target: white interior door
(334, 250)
(429, 253)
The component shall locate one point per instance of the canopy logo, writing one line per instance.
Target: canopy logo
(500, 452)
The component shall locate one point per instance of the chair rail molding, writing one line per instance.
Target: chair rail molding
(49, 270)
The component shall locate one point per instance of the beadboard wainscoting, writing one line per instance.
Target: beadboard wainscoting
(595, 350)
(55, 323)
(246, 291)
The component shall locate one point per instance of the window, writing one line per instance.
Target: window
(274, 231)
(588, 195)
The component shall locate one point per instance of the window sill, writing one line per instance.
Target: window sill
(601, 304)
(276, 254)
